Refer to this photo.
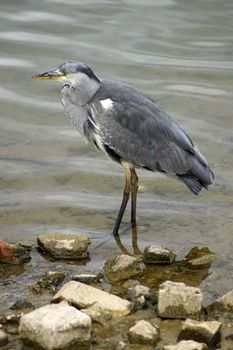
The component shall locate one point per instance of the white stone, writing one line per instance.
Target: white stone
(56, 326)
(143, 333)
(176, 300)
(186, 345)
(83, 296)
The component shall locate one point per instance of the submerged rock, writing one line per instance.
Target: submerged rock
(221, 309)
(144, 333)
(156, 254)
(83, 296)
(121, 268)
(98, 314)
(186, 345)
(176, 300)
(13, 253)
(21, 304)
(3, 338)
(56, 326)
(201, 331)
(200, 257)
(64, 246)
(227, 336)
(139, 294)
(49, 281)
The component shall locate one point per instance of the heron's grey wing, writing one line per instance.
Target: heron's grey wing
(142, 136)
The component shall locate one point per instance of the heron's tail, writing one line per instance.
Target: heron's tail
(200, 175)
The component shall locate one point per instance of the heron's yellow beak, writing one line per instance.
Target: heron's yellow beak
(51, 75)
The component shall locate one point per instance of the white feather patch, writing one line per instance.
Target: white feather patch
(107, 103)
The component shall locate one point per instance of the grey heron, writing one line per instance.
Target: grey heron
(131, 129)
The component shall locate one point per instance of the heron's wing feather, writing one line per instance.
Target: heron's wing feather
(142, 134)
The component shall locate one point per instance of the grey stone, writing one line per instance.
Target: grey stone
(201, 331)
(176, 300)
(156, 254)
(121, 346)
(227, 336)
(56, 326)
(186, 345)
(98, 314)
(21, 304)
(88, 278)
(3, 338)
(121, 267)
(64, 246)
(49, 281)
(83, 296)
(221, 309)
(144, 333)
(138, 294)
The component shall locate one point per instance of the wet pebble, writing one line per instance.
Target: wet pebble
(156, 254)
(83, 296)
(144, 333)
(139, 294)
(88, 278)
(50, 281)
(201, 331)
(64, 246)
(56, 326)
(21, 304)
(3, 338)
(176, 300)
(121, 268)
(186, 345)
(200, 257)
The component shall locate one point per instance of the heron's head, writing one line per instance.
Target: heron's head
(74, 73)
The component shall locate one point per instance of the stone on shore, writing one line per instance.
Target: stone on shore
(88, 278)
(156, 254)
(13, 253)
(221, 309)
(176, 300)
(186, 345)
(83, 296)
(200, 257)
(121, 268)
(3, 338)
(227, 336)
(98, 314)
(144, 333)
(200, 331)
(64, 246)
(56, 326)
(139, 294)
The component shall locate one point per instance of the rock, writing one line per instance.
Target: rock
(138, 294)
(156, 254)
(186, 345)
(26, 245)
(49, 281)
(121, 268)
(200, 257)
(203, 332)
(98, 314)
(21, 304)
(221, 309)
(56, 326)
(64, 246)
(13, 253)
(83, 296)
(88, 279)
(3, 338)
(176, 300)
(144, 333)
(227, 336)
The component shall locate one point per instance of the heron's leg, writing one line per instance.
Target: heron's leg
(124, 202)
(134, 190)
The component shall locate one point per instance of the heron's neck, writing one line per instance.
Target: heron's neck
(81, 94)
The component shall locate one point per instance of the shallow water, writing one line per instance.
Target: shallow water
(178, 52)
